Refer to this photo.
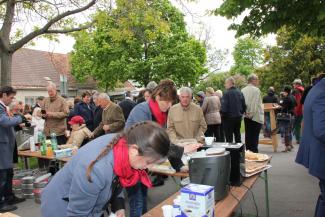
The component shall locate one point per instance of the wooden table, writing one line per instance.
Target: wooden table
(270, 108)
(27, 154)
(225, 207)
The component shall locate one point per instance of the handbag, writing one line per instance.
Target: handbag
(283, 117)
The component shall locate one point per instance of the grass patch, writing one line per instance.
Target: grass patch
(33, 163)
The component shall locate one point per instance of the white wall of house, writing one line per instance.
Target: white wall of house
(29, 96)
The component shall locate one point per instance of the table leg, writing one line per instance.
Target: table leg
(267, 202)
(26, 163)
(273, 127)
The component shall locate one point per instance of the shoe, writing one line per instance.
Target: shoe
(7, 208)
(286, 149)
(158, 182)
(14, 200)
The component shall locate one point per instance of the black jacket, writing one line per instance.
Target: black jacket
(288, 104)
(127, 105)
(98, 118)
(87, 112)
(233, 104)
(270, 98)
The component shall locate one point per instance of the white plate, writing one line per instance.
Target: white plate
(215, 151)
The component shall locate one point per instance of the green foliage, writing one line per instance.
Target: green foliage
(266, 16)
(247, 54)
(292, 58)
(140, 40)
(217, 81)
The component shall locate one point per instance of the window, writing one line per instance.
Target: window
(63, 85)
(30, 100)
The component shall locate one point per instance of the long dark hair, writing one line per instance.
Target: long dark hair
(151, 139)
(166, 89)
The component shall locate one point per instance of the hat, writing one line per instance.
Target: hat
(297, 81)
(76, 120)
(201, 94)
(209, 90)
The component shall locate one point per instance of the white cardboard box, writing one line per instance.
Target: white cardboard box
(197, 201)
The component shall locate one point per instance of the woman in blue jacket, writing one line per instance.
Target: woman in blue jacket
(93, 178)
(155, 110)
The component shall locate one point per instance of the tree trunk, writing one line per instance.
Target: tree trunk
(5, 70)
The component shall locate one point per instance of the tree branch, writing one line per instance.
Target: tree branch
(47, 26)
(7, 24)
(3, 1)
(63, 31)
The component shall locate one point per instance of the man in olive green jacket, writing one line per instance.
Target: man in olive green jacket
(112, 117)
(185, 119)
(57, 110)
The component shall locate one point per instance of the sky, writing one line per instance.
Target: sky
(196, 17)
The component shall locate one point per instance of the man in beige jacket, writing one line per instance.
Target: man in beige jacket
(112, 117)
(185, 119)
(56, 111)
(254, 117)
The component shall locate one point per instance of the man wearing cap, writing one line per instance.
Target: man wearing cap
(200, 97)
(297, 93)
(79, 131)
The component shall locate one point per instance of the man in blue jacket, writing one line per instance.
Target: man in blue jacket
(86, 110)
(7, 145)
(311, 153)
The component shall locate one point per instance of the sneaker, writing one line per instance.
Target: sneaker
(14, 200)
(7, 208)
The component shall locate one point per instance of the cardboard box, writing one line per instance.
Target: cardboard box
(197, 201)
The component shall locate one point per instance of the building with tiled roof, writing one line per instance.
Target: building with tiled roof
(31, 69)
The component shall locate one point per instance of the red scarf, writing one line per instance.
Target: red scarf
(160, 116)
(127, 175)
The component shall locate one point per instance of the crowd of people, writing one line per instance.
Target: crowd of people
(126, 138)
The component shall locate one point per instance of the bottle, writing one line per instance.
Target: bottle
(43, 146)
(32, 144)
(54, 142)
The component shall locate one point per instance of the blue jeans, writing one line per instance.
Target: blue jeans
(137, 196)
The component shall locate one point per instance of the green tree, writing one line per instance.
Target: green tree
(266, 16)
(217, 81)
(38, 18)
(141, 40)
(248, 55)
(292, 58)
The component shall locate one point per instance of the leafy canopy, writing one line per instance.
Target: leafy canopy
(292, 58)
(141, 40)
(248, 55)
(267, 16)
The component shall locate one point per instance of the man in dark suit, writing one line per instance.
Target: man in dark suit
(7, 145)
(311, 153)
(127, 105)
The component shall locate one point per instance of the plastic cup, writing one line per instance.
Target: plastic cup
(167, 210)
